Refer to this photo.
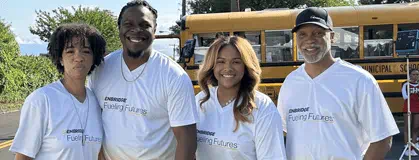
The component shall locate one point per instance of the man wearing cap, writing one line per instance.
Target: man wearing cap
(331, 109)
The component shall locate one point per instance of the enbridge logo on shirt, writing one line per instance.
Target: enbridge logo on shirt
(205, 132)
(74, 131)
(119, 104)
(115, 99)
(299, 110)
(214, 141)
(72, 135)
(300, 114)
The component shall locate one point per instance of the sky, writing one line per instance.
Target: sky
(20, 14)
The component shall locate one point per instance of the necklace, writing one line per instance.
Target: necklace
(122, 72)
(229, 101)
(78, 116)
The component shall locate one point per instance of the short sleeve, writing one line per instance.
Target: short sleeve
(181, 102)
(32, 125)
(269, 138)
(281, 109)
(373, 112)
(91, 80)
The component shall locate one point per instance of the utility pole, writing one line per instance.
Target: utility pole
(183, 8)
(235, 5)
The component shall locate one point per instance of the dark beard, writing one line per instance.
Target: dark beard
(135, 54)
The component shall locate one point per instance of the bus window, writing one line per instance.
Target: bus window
(378, 41)
(408, 26)
(278, 46)
(254, 39)
(345, 43)
(203, 41)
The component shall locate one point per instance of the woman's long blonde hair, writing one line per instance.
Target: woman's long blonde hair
(248, 84)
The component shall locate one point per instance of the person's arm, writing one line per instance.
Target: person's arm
(22, 157)
(186, 142)
(375, 117)
(378, 150)
(404, 91)
(183, 116)
(32, 126)
(101, 156)
(281, 109)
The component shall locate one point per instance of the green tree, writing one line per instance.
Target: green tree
(330, 3)
(9, 51)
(38, 71)
(175, 29)
(209, 6)
(366, 2)
(216, 6)
(103, 20)
(264, 4)
(8, 44)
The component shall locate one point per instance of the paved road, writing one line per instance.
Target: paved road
(398, 145)
(9, 123)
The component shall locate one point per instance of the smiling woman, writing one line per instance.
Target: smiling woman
(245, 122)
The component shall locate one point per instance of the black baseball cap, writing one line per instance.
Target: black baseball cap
(313, 15)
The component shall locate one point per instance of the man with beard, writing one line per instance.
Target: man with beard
(147, 99)
(340, 104)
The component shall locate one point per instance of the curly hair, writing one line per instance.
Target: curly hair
(64, 35)
(248, 84)
(137, 3)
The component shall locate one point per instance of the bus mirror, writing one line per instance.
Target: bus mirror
(407, 42)
(179, 23)
(188, 49)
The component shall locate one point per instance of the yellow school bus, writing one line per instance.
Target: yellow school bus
(364, 36)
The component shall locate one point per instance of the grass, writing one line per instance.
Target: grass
(10, 107)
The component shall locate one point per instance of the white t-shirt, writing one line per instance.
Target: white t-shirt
(138, 116)
(262, 139)
(336, 115)
(50, 128)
